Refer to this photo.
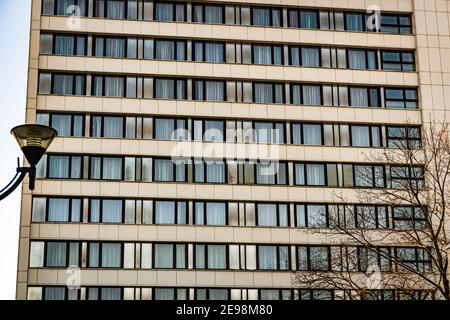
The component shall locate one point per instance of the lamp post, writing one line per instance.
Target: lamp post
(34, 141)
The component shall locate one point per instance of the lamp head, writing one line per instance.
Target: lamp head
(34, 140)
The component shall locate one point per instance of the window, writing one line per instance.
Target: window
(316, 294)
(69, 45)
(210, 256)
(63, 210)
(272, 215)
(64, 167)
(368, 257)
(355, 22)
(371, 217)
(401, 98)
(106, 211)
(170, 294)
(59, 293)
(268, 93)
(61, 254)
(418, 259)
(307, 19)
(170, 50)
(409, 218)
(112, 9)
(67, 84)
(209, 90)
(407, 177)
(107, 126)
(310, 174)
(273, 257)
(210, 213)
(304, 56)
(266, 17)
(269, 132)
(209, 171)
(170, 89)
(362, 59)
(168, 170)
(396, 24)
(364, 97)
(403, 137)
(398, 61)
(267, 54)
(110, 47)
(104, 255)
(313, 258)
(106, 168)
(109, 86)
(365, 136)
(211, 294)
(271, 172)
(170, 212)
(170, 256)
(312, 216)
(209, 51)
(275, 294)
(209, 130)
(306, 94)
(167, 11)
(106, 293)
(64, 7)
(307, 133)
(208, 13)
(369, 176)
(67, 125)
(170, 129)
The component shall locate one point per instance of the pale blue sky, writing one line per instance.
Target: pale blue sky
(14, 32)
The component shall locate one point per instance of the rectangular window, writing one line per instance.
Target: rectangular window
(401, 98)
(168, 170)
(307, 19)
(307, 134)
(65, 7)
(209, 90)
(170, 89)
(170, 256)
(313, 258)
(170, 50)
(312, 216)
(272, 215)
(418, 259)
(111, 47)
(106, 168)
(271, 172)
(403, 137)
(105, 255)
(112, 9)
(364, 97)
(62, 210)
(310, 174)
(67, 125)
(306, 94)
(268, 93)
(407, 177)
(208, 13)
(273, 257)
(59, 254)
(170, 129)
(108, 86)
(368, 257)
(267, 54)
(209, 171)
(107, 126)
(170, 212)
(362, 59)
(371, 217)
(67, 84)
(409, 218)
(355, 21)
(369, 176)
(396, 24)
(269, 132)
(398, 61)
(209, 130)
(210, 213)
(167, 11)
(64, 167)
(210, 256)
(106, 211)
(209, 51)
(69, 45)
(365, 136)
(267, 17)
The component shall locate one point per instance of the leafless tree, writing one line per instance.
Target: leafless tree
(371, 256)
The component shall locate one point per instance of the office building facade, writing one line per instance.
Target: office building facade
(221, 87)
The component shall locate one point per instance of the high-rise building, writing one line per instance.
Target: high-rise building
(219, 86)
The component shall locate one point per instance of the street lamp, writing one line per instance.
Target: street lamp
(34, 141)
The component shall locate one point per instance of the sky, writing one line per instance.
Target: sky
(14, 32)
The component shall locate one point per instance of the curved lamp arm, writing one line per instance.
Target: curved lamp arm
(21, 172)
